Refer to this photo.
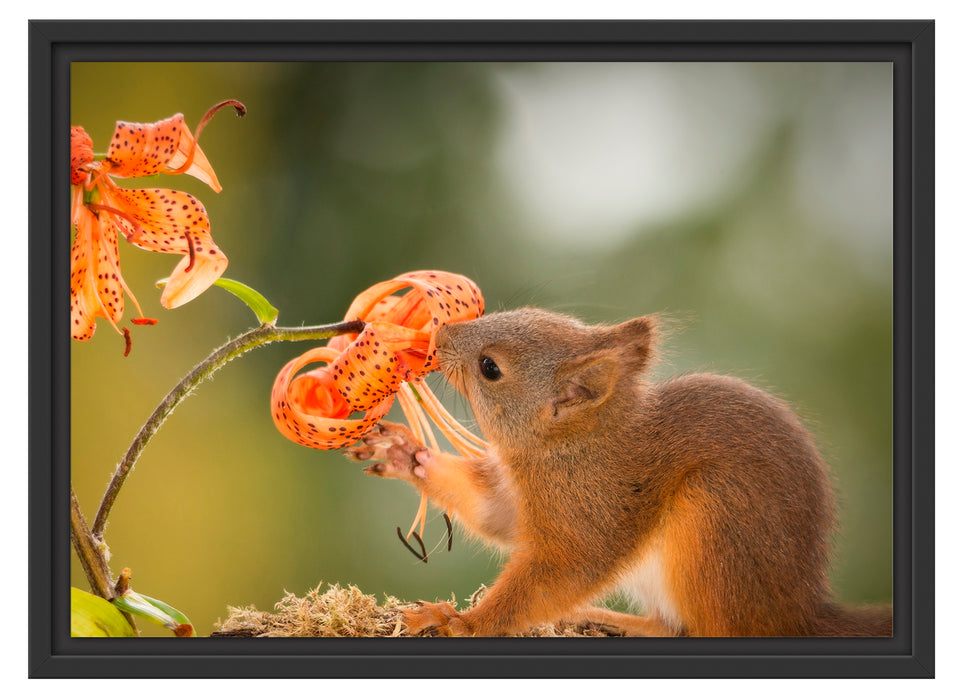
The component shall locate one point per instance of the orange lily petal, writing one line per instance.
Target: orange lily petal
(168, 221)
(435, 298)
(190, 158)
(298, 412)
(190, 278)
(383, 310)
(81, 154)
(137, 150)
(372, 367)
(144, 149)
(407, 310)
(314, 393)
(199, 167)
(158, 219)
(95, 282)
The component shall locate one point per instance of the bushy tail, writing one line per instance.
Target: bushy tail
(837, 621)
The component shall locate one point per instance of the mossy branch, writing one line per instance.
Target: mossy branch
(345, 611)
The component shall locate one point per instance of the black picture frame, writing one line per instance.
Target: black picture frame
(908, 45)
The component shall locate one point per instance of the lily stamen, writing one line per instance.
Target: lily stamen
(189, 244)
(137, 228)
(238, 106)
(101, 172)
(423, 432)
(419, 520)
(414, 414)
(459, 436)
(240, 111)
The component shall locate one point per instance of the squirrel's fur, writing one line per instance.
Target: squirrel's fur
(701, 496)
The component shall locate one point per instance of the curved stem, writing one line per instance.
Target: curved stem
(267, 333)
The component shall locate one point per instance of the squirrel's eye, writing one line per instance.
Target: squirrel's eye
(489, 369)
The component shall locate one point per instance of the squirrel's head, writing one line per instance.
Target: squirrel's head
(531, 372)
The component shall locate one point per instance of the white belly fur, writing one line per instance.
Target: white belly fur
(644, 583)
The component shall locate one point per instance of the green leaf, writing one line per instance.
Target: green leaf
(178, 617)
(92, 616)
(156, 612)
(264, 310)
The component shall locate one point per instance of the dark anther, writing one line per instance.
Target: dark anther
(421, 556)
(128, 340)
(449, 533)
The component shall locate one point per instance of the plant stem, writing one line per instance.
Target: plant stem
(90, 551)
(90, 554)
(267, 333)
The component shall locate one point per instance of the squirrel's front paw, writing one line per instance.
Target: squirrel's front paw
(442, 618)
(395, 445)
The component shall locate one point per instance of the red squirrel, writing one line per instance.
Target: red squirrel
(701, 497)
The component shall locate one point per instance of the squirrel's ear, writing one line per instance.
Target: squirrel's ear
(585, 383)
(617, 352)
(634, 340)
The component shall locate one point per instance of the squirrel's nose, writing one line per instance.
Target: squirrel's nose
(441, 337)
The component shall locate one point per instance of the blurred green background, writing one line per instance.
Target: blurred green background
(752, 202)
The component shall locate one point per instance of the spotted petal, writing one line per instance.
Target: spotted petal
(372, 367)
(157, 219)
(81, 154)
(199, 166)
(168, 221)
(434, 299)
(306, 411)
(96, 288)
(137, 150)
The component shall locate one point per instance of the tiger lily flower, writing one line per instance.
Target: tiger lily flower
(162, 220)
(389, 358)
(363, 372)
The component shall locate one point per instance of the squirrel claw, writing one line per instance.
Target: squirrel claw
(358, 454)
(442, 618)
(394, 445)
